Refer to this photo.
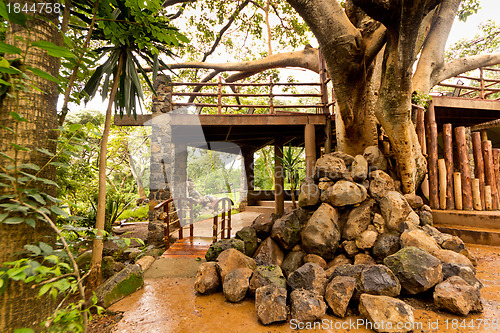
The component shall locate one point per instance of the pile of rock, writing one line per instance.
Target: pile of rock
(355, 240)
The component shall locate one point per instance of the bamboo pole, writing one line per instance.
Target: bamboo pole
(479, 162)
(457, 182)
(487, 197)
(476, 194)
(463, 162)
(489, 172)
(442, 183)
(448, 158)
(484, 135)
(433, 165)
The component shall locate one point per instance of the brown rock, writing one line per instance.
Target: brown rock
(231, 259)
(457, 296)
(358, 220)
(414, 201)
(315, 259)
(330, 166)
(292, 261)
(350, 248)
(310, 277)
(235, 285)
(367, 239)
(263, 224)
(341, 259)
(270, 304)
(344, 193)
(269, 253)
(387, 310)
(395, 210)
(207, 278)
(338, 294)
(363, 259)
(359, 168)
(309, 193)
(321, 234)
(306, 305)
(264, 275)
(380, 184)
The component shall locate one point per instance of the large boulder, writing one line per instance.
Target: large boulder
(380, 184)
(292, 261)
(264, 275)
(395, 210)
(145, 262)
(416, 269)
(236, 283)
(457, 296)
(338, 294)
(451, 257)
(330, 166)
(464, 272)
(385, 245)
(286, 230)
(223, 244)
(386, 314)
(306, 305)
(321, 234)
(309, 193)
(231, 259)
(358, 220)
(420, 239)
(310, 277)
(359, 170)
(207, 278)
(249, 237)
(263, 225)
(269, 253)
(344, 193)
(375, 158)
(122, 284)
(378, 280)
(270, 304)
(348, 159)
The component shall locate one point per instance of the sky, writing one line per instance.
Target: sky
(490, 10)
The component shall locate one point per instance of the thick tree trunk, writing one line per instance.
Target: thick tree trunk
(19, 306)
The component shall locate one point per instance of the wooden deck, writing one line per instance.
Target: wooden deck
(189, 248)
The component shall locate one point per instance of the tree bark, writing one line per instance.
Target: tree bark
(19, 305)
(97, 246)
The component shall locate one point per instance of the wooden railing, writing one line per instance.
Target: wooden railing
(223, 205)
(477, 87)
(176, 218)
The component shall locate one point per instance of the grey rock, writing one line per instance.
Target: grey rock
(380, 184)
(249, 237)
(207, 278)
(358, 220)
(414, 201)
(286, 230)
(309, 193)
(145, 262)
(321, 234)
(464, 272)
(292, 261)
(270, 304)
(416, 269)
(223, 244)
(344, 193)
(269, 253)
(110, 267)
(457, 296)
(425, 214)
(375, 158)
(120, 285)
(310, 277)
(349, 270)
(387, 310)
(232, 259)
(263, 225)
(359, 170)
(378, 280)
(452, 257)
(83, 260)
(236, 283)
(306, 305)
(348, 159)
(264, 275)
(454, 243)
(338, 294)
(395, 209)
(330, 166)
(385, 245)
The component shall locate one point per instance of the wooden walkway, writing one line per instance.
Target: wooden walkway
(189, 248)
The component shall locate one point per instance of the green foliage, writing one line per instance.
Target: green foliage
(137, 213)
(421, 99)
(486, 41)
(467, 8)
(292, 161)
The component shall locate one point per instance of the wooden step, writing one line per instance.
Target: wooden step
(472, 235)
(268, 203)
(260, 209)
(187, 247)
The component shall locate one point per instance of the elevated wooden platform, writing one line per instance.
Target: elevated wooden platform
(189, 248)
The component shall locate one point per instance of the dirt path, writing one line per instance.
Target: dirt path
(170, 304)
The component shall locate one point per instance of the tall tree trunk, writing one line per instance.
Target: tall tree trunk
(95, 262)
(19, 306)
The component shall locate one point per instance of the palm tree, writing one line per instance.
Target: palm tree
(291, 168)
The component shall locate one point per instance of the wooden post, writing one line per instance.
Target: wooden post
(279, 183)
(476, 194)
(487, 197)
(219, 96)
(310, 143)
(181, 217)
(489, 172)
(215, 228)
(167, 223)
(482, 93)
(463, 162)
(420, 127)
(323, 78)
(479, 162)
(191, 220)
(448, 158)
(442, 183)
(496, 154)
(457, 182)
(433, 165)
(229, 221)
(484, 135)
(271, 97)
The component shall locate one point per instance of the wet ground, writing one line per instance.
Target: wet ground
(168, 303)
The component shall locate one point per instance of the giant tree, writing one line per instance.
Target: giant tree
(371, 48)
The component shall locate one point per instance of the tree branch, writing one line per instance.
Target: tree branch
(462, 65)
(224, 29)
(168, 3)
(207, 78)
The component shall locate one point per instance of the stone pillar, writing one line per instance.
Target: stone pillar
(279, 181)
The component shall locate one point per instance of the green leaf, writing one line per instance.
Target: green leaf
(38, 198)
(46, 248)
(43, 74)
(24, 330)
(58, 211)
(13, 220)
(31, 222)
(44, 289)
(10, 49)
(31, 166)
(33, 248)
(18, 18)
(17, 274)
(10, 70)
(48, 182)
(18, 117)
(45, 151)
(54, 50)
(75, 127)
